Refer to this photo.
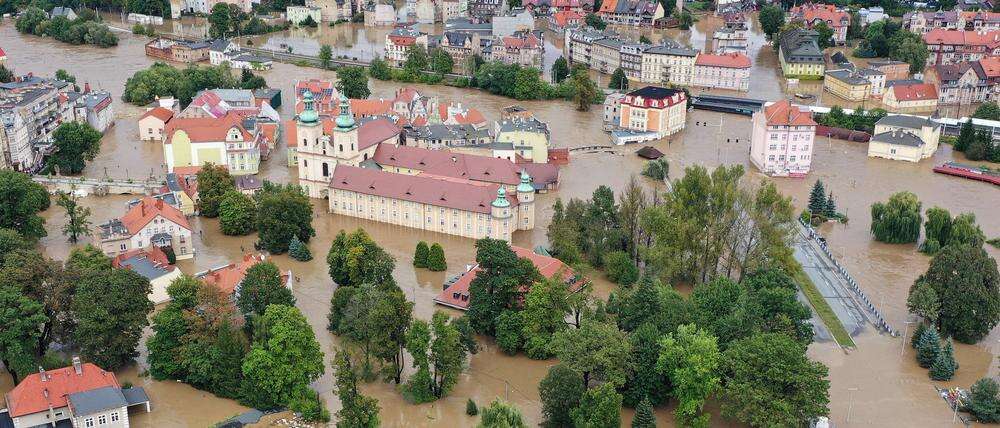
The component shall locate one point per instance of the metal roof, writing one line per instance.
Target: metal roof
(97, 400)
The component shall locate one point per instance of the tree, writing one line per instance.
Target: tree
(592, 20)
(817, 199)
(510, 332)
(10, 242)
(685, 20)
(500, 414)
(357, 410)
(380, 70)
(928, 347)
(325, 56)
(441, 62)
(618, 80)
(77, 217)
(560, 391)
(355, 259)
(307, 403)
(76, 143)
(65, 76)
(498, 283)
(353, 82)
(690, 358)
(435, 259)
(376, 318)
(644, 415)
(283, 361)
(645, 382)
(283, 212)
(416, 60)
(923, 301)
(262, 287)
(650, 302)
(585, 91)
(600, 407)
(944, 365)
(214, 182)
(898, 220)
(111, 310)
(965, 279)
(470, 408)
(620, 269)
(21, 318)
(560, 70)
(6, 74)
(223, 21)
(251, 81)
(420, 255)
(298, 250)
(164, 80)
(985, 401)
(597, 350)
(917, 334)
(771, 19)
(237, 213)
(965, 231)
(170, 328)
(770, 381)
(913, 51)
(989, 110)
(545, 308)
(438, 354)
(937, 230)
(825, 35)
(966, 136)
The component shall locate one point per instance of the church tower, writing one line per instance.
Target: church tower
(526, 203)
(309, 132)
(500, 227)
(344, 138)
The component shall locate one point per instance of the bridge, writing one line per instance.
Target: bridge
(335, 62)
(724, 104)
(98, 187)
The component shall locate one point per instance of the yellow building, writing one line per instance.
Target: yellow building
(847, 85)
(915, 97)
(903, 137)
(193, 142)
(800, 56)
(530, 137)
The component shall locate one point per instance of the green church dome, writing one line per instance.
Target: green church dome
(501, 200)
(308, 115)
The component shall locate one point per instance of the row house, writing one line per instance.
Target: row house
(32, 108)
(485, 10)
(228, 141)
(781, 143)
(954, 46)
(297, 14)
(178, 50)
(380, 15)
(921, 22)
(631, 12)
(812, 14)
(513, 22)
(668, 63)
(332, 10)
(451, 9)
(148, 223)
(731, 38)
(662, 111)
(579, 43)
(560, 21)
(967, 82)
(399, 41)
(605, 55)
(551, 7)
(911, 97)
(524, 48)
(631, 59)
(893, 70)
(728, 71)
(461, 46)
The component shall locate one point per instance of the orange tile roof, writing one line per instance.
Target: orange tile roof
(564, 17)
(824, 12)
(783, 113)
(731, 60)
(915, 92)
(291, 134)
(608, 6)
(207, 129)
(486, 169)
(147, 209)
(229, 276)
(991, 66)
(37, 394)
(154, 254)
(164, 114)
(187, 170)
(940, 36)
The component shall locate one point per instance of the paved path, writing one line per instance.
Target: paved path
(832, 285)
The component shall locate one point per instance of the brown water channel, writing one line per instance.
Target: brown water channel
(872, 385)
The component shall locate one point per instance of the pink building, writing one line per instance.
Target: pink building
(726, 71)
(782, 140)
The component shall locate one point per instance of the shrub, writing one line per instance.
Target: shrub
(435, 258)
(420, 255)
(620, 268)
(470, 408)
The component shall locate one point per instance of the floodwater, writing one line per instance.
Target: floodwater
(872, 385)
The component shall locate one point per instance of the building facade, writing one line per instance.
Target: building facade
(728, 71)
(782, 140)
(921, 22)
(812, 14)
(153, 122)
(955, 46)
(911, 97)
(902, 137)
(298, 14)
(668, 63)
(193, 142)
(800, 56)
(653, 109)
(147, 223)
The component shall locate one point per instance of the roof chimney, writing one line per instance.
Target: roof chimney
(77, 366)
(41, 373)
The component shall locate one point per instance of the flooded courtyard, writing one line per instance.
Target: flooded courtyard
(877, 384)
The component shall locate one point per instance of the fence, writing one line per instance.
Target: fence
(879, 322)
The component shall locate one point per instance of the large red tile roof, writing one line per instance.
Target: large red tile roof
(783, 113)
(991, 66)
(164, 114)
(564, 17)
(37, 394)
(915, 92)
(449, 164)
(824, 12)
(227, 277)
(940, 36)
(147, 209)
(207, 129)
(731, 60)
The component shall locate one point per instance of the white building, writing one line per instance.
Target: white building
(297, 14)
(903, 137)
(782, 141)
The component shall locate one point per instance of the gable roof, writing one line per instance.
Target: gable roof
(940, 36)
(207, 129)
(915, 92)
(146, 210)
(783, 113)
(36, 393)
(445, 163)
(164, 114)
(228, 277)
(151, 263)
(97, 400)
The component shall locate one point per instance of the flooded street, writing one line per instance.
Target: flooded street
(870, 386)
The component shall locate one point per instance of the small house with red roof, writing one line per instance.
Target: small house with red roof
(153, 122)
(80, 396)
(811, 14)
(147, 223)
(781, 143)
(456, 291)
(152, 264)
(229, 277)
(232, 140)
(912, 97)
(523, 48)
(725, 71)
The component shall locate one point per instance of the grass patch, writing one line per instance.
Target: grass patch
(823, 309)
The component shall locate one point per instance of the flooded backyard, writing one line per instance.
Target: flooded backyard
(873, 385)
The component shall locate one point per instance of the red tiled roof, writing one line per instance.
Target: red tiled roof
(731, 60)
(164, 114)
(229, 276)
(187, 170)
(291, 134)
(824, 12)
(147, 209)
(915, 92)
(207, 129)
(449, 164)
(35, 394)
(608, 6)
(527, 42)
(406, 94)
(991, 66)
(940, 36)
(457, 295)
(783, 113)
(447, 192)
(153, 254)
(565, 17)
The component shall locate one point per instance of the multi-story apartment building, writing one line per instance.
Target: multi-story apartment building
(485, 10)
(631, 59)
(178, 50)
(800, 56)
(812, 14)
(605, 55)
(30, 111)
(451, 9)
(732, 38)
(579, 43)
(333, 10)
(729, 71)
(631, 12)
(560, 21)
(399, 41)
(781, 143)
(911, 97)
(299, 14)
(954, 46)
(903, 137)
(855, 84)
(530, 137)
(461, 46)
(193, 142)
(893, 70)
(524, 48)
(967, 82)
(654, 109)
(921, 22)
(668, 63)
(94, 108)
(148, 223)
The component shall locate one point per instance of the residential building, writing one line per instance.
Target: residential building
(654, 109)
(442, 136)
(183, 190)
(732, 38)
(579, 43)
(812, 14)
(227, 141)
(967, 82)
(727, 71)
(921, 22)
(221, 51)
(800, 56)
(848, 84)
(3, 57)
(94, 108)
(228, 278)
(461, 46)
(148, 223)
(153, 265)
(456, 292)
(178, 50)
(781, 143)
(903, 137)
(893, 70)
(954, 46)
(333, 10)
(631, 12)
(451, 9)
(530, 137)
(380, 15)
(81, 395)
(562, 20)
(30, 111)
(668, 63)
(398, 41)
(606, 55)
(65, 12)
(298, 14)
(484, 10)
(424, 11)
(918, 96)
(523, 48)
(631, 59)
(515, 21)
(516, 111)
(871, 15)
(153, 122)
(216, 103)
(612, 110)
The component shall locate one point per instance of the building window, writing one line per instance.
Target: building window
(102, 420)
(89, 422)
(122, 247)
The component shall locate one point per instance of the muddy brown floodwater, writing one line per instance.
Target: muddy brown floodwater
(870, 386)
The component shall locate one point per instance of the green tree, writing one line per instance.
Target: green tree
(898, 220)
(416, 60)
(353, 82)
(592, 20)
(441, 62)
(111, 310)
(510, 332)
(29, 19)
(307, 403)
(965, 231)
(376, 319)
(355, 259)
(237, 213)
(985, 400)
(262, 287)
(771, 19)
(928, 347)
(10, 242)
(937, 230)
(560, 70)
(644, 415)
(438, 354)
(500, 414)
(420, 255)
(690, 358)
(597, 350)
(645, 382)
(76, 143)
(917, 334)
(470, 408)
(6, 74)
(419, 387)
(825, 35)
(989, 110)
(817, 199)
(77, 217)
(966, 136)
(923, 301)
(298, 250)
(283, 212)
(912, 50)
(585, 91)
(650, 302)
(65, 76)
(618, 80)
(498, 284)
(620, 269)
(325, 56)
(212, 351)
(21, 318)
(338, 308)
(545, 309)
(599, 407)
(169, 329)
(560, 391)
(214, 182)
(380, 70)
(357, 410)
(944, 365)
(830, 210)
(965, 279)
(223, 20)
(435, 259)
(283, 361)
(770, 381)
